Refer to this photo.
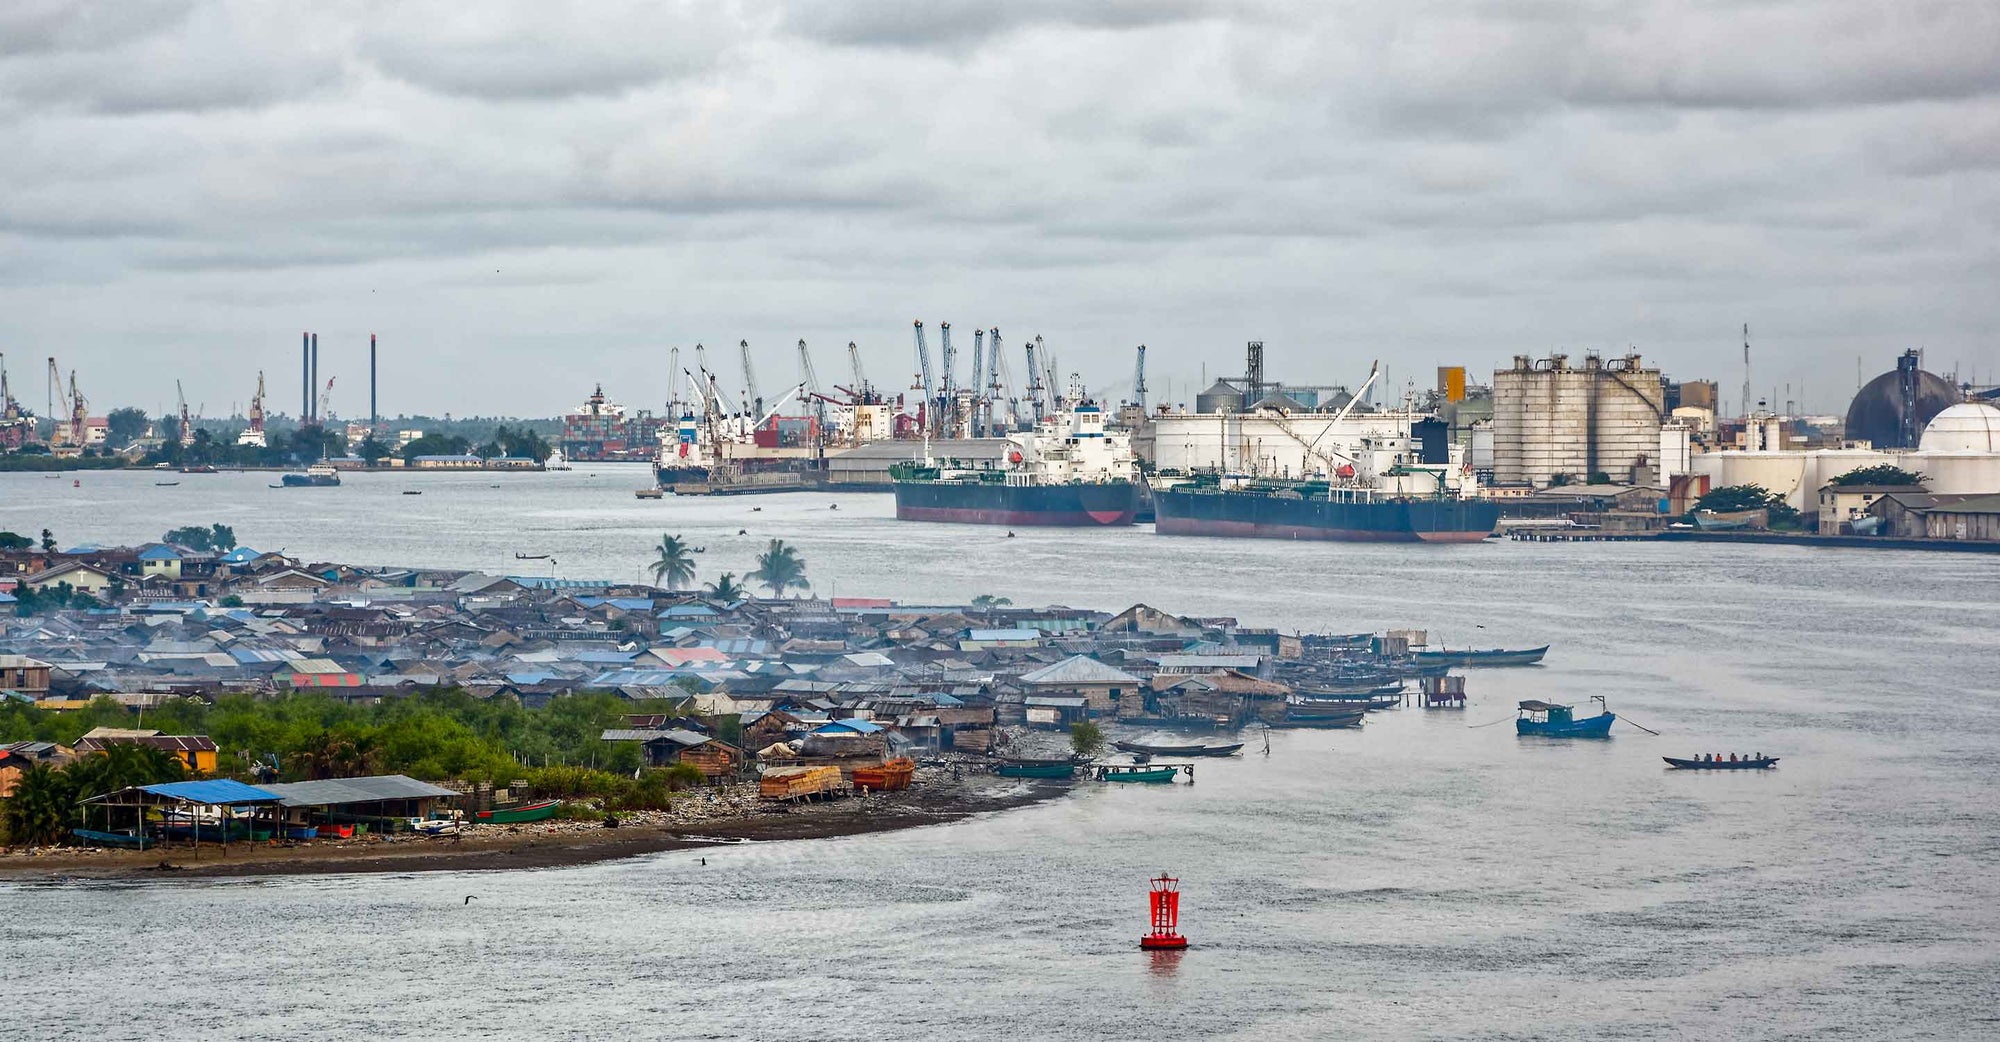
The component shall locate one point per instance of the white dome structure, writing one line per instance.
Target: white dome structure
(1966, 427)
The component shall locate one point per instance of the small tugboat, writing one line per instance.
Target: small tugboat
(1549, 720)
(1712, 762)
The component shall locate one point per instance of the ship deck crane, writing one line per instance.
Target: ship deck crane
(809, 388)
(860, 391)
(752, 401)
(713, 387)
(925, 417)
(1035, 385)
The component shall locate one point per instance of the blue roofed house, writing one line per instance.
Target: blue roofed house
(160, 559)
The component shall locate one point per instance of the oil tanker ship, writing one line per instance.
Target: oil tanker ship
(1405, 483)
(1317, 510)
(1068, 471)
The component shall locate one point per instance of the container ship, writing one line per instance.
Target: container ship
(1407, 485)
(1067, 471)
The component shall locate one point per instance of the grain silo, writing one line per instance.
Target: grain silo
(1553, 421)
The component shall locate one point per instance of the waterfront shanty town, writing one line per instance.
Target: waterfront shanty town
(207, 696)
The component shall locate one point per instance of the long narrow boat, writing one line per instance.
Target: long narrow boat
(1493, 657)
(518, 814)
(112, 839)
(1150, 774)
(1297, 716)
(1035, 769)
(1760, 764)
(1549, 720)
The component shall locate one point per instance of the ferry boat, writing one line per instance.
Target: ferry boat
(319, 475)
(1068, 471)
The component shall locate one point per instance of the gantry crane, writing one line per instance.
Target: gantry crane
(187, 422)
(1035, 386)
(1139, 380)
(947, 399)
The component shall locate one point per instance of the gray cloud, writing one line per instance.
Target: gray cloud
(520, 196)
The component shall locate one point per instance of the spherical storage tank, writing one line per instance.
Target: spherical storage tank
(1965, 427)
(1877, 413)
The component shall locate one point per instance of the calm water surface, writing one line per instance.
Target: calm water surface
(1425, 878)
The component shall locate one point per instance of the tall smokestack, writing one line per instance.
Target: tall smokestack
(305, 376)
(371, 384)
(312, 387)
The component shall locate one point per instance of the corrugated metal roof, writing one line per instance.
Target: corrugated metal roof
(332, 792)
(678, 736)
(1078, 669)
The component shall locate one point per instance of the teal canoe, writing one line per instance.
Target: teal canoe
(1150, 774)
(112, 839)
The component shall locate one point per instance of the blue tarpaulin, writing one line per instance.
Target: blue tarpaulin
(219, 792)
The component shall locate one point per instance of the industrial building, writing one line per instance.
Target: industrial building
(1554, 423)
(1958, 453)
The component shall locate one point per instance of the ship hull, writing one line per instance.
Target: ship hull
(1255, 516)
(1096, 505)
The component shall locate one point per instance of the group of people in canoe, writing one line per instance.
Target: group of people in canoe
(1717, 758)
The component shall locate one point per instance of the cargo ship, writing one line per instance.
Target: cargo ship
(1068, 471)
(1403, 482)
(319, 475)
(1315, 510)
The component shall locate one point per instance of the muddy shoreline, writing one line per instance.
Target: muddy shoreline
(542, 845)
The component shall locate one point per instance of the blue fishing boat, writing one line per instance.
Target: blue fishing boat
(1549, 720)
(112, 839)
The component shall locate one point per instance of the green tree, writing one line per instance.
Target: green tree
(1086, 737)
(38, 813)
(988, 602)
(675, 563)
(780, 568)
(124, 426)
(13, 541)
(371, 449)
(726, 589)
(1733, 498)
(194, 537)
(1881, 474)
(48, 541)
(435, 445)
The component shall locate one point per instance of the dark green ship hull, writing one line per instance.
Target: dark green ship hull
(1274, 515)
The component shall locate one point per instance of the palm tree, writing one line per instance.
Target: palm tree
(779, 568)
(675, 564)
(988, 602)
(726, 588)
(39, 812)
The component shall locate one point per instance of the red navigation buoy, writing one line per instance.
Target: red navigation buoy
(1166, 902)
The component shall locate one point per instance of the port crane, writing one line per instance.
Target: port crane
(323, 412)
(995, 366)
(1139, 380)
(187, 422)
(947, 399)
(254, 434)
(1326, 456)
(979, 427)
(924, 384)
(9, 408)
(752, 401)
(673, 382)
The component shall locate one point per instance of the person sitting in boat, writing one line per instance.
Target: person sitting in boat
(1732, 757)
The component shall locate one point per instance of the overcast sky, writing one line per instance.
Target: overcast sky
(524, 199)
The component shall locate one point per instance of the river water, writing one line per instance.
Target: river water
(1423, 878)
